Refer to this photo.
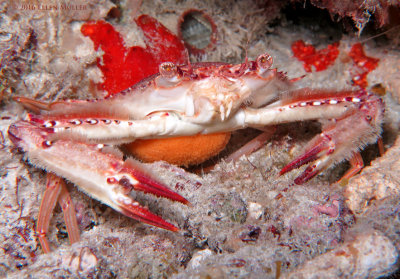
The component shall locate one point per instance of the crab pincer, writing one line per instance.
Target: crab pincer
(99, 170)
(342, 138)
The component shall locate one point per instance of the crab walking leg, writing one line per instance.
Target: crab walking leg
(356, 165)
(247, 149)
(381, 147)
(252, 146)
(68, 208)
(49, 200)
(56, 190)
(99, 171)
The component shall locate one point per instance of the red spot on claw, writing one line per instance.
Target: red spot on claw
(111, 180)
(46, 143)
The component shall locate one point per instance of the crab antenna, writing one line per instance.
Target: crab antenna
(246, 59)
(243, 67)
(190, 69)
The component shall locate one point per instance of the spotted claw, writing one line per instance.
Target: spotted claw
(341, 138)
(97, 169)
(318, 152)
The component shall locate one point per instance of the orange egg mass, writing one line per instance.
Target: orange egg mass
(182, 151)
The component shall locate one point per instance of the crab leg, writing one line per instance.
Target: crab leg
(49, 200)
(306, 104)
(56, 190)
(356, 165)
(252, 145)
(341, 139)
(68, 208)
(98, 170)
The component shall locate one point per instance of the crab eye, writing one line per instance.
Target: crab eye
(264, 61)
(170, 75)
(168, 70)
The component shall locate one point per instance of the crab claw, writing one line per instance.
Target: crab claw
(129, 207)
(319, 149)
(147, 183)
(341, 139)
(132, 175)
(99, 170)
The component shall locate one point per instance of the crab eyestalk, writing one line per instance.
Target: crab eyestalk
(169, 75)
(264, 63)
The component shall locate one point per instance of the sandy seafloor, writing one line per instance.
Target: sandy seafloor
(245, 221)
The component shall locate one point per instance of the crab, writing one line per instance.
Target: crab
(182, 101)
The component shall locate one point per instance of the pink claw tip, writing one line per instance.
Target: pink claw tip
(143, 215)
